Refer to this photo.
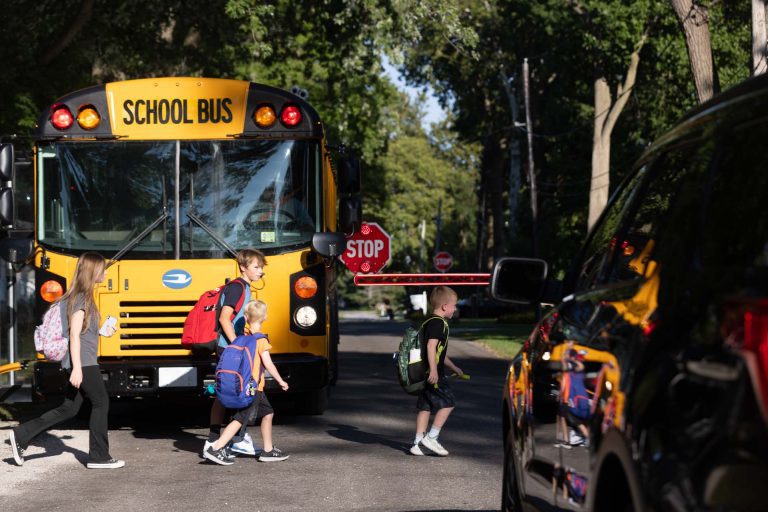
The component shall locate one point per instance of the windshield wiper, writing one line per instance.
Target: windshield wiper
(138, 238)
(216, 238)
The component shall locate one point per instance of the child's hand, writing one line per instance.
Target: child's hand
(76, 378)
(432, 379)
(458, 371)
(284, 385)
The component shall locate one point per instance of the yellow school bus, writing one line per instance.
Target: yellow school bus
(168, 178)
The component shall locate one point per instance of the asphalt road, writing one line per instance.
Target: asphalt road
(354, 457)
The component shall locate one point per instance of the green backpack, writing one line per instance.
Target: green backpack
(411, 370)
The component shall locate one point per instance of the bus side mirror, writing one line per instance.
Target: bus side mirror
(6, 208)
(16, 250)
(330, 244)
(348, 175)
(6, 191)
(350, 214)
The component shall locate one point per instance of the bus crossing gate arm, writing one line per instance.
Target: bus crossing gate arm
(14, 367)
(422, 279)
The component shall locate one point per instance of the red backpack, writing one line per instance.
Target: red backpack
(201, 328)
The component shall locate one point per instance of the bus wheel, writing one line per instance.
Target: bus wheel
(315, 401)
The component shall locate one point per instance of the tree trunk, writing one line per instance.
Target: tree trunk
(497, 201)
(759, 43)
(605, 119)
(694, 19)
(73, 28)
(601, 153)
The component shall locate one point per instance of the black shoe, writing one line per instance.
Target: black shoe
(217, 456)
(275, 455)
(18, 451)
(107, 464)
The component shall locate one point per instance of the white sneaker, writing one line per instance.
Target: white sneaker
(416, 450)
(244, 447)
(18, 451)
(108, 464)
(434, 446)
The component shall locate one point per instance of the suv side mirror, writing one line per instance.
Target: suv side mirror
(348, 175)
(519, 280)
(329, 245)
(350, 214)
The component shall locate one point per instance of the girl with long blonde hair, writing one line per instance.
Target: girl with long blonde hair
(80, 323)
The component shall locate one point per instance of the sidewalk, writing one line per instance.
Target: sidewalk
(358, 315)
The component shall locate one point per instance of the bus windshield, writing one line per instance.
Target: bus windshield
(248, 193)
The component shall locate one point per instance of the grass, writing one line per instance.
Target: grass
(504, 340)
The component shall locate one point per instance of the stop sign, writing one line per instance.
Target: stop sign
(443, 261)
(368, 250)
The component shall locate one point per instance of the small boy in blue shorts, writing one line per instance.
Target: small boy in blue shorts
(437, 397)
(255, 314)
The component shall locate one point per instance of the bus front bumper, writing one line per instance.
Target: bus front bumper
(190, 377)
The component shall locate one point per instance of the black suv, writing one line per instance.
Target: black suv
(645, 387)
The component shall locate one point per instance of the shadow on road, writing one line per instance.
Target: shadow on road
(355, 435)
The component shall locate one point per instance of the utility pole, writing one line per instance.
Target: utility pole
(531, 171)
(423, 248)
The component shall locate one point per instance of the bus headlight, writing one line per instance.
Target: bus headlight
(305, 316)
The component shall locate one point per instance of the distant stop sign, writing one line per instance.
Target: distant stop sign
(367, 250)
(443, 261)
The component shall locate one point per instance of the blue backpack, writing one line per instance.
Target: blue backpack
(578, 399)
(235, 380)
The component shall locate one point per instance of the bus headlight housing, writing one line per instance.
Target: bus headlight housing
(305, 287)
(51, 290)
(305, 316)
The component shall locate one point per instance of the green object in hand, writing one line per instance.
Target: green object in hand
(463, 376)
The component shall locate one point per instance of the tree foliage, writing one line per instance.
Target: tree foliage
(464, 49)
(568, 44)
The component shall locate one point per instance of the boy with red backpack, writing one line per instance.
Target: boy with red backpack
(232, 324)
(246, 386)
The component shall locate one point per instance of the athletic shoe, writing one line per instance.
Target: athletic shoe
(434, 445)
(217, 456)
(244, 446)
(225, 451)
(18, 451)
(416, 450)
(107, 464)
(578, 440)
(275, 455)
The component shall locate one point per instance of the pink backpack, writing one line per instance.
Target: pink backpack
(49, 338)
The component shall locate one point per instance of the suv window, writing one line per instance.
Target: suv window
(679, 168)
(597, 252)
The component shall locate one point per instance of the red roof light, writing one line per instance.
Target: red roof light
(61, 117)
(290, 116)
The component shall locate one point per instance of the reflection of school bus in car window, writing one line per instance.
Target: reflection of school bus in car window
(168, 178)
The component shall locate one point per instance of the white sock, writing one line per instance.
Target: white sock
(418, 438)
(434, 432)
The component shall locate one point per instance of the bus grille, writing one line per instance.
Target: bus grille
(152, 325)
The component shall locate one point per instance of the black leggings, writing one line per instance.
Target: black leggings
(93, 387)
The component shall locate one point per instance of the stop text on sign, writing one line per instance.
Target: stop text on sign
(368, 250)
(364, 248)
